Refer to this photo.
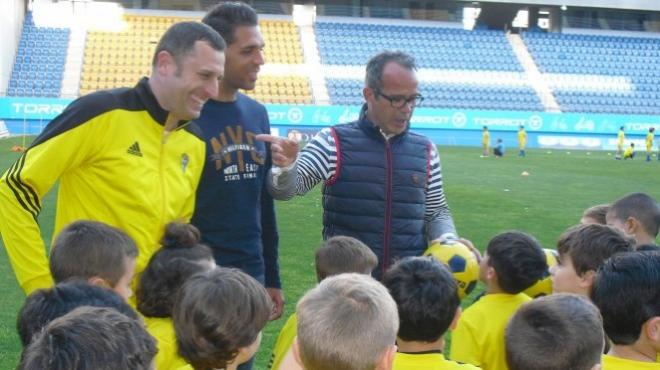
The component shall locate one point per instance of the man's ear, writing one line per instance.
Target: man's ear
(386, 361)
(368, 93)
(454, 321)
(165, 63)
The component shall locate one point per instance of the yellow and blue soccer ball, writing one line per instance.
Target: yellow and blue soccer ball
(544, 285)
(461, 261)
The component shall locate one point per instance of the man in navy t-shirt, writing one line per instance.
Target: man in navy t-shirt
(234, 211)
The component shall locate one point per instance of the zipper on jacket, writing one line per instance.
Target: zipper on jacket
(388, 208)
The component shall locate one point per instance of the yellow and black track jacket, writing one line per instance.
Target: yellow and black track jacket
(115, 164)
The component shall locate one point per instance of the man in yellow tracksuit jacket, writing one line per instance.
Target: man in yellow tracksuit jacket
(125, 157)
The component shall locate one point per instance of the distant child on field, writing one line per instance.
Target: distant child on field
(348, 322)
(99, 253)
(336, 255)
(513, 262)
(218, 317)
(629, 153)
(595, 214)
(426, 295)
(522, 140)
(91, 338)
(485, 141)
(498, 151)
(180, 257)
(638, 215)
(556, 332)
(582, 250)
(627, 292)
(45, 305)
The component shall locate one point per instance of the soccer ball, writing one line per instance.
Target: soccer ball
(544, 286)
(461, 261)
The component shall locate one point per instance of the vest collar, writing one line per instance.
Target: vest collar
(372, 129)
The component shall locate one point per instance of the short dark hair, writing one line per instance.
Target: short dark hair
(566, 325)
(518, 260)
(216, 313)
(341, 254)
(180, 39)
(426, 295)
(376, 65)
(226, 17)
(597, 212)
(626, 292)
(588, 246)
(91, 338)
(45, 305)
(85, 249)
(640, 206)
(179, 258)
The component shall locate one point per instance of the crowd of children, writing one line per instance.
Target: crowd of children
(604, 312)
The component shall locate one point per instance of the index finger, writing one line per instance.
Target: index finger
(267, 137)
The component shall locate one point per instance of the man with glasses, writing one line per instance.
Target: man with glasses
(382, 183)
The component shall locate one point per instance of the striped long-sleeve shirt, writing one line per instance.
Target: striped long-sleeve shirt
(318, 162)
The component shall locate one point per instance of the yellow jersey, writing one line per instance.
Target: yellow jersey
(284, 342)
(163, 330)
(621, 137)
(629, 152)
(479, 336)
(427, 361)
(618, 363)
(649, 141)
(485, 138)
(115, 164)
(522, 139)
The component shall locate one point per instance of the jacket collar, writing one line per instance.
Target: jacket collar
(151, 104)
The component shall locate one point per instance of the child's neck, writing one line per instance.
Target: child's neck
(493, 288)
(414, 346)
(635, 352)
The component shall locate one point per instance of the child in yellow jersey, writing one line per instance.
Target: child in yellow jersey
(426, 295)
(512, 263)
(567, 325)
(485, 141)
(582, 250)
(218, 317)
(620, 139)
(649, 143)
(336, 255)
(627, 294)
(98, 253)
(630, 152)
(180, 257)
(522, 140)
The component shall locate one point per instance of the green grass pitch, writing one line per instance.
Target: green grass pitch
(486, 195)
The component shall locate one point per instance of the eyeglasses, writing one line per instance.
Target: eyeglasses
(399, 101)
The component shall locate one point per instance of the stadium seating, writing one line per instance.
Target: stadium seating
(39, 62)
(114, 59)
(282, 89)
(433, 47)
(349, 92)
(635, 60)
